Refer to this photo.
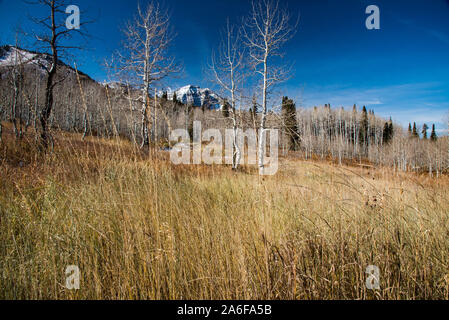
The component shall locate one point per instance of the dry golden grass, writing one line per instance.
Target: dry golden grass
(141, 228)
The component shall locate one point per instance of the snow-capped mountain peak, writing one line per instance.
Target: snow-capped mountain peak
(196, 96)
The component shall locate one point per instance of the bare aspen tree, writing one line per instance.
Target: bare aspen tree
(447, 141)
(266, 30)
(1, 125)
(167, 110)
(16, 81)
(27, 95)
(227, 69)
(83, 98)
(21, 97)
(36, 102)
(145, 59)
(54, 40)
(155, 127)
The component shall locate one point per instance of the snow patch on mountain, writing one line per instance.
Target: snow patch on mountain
(196, 96)
(11, 56)
(115, 85)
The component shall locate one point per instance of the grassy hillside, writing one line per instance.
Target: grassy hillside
(141, 228)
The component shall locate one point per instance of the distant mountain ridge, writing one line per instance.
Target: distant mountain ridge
(11, 56)
(188, 95)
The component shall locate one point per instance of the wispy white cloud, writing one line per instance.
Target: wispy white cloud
(444, 37)
(371, 102)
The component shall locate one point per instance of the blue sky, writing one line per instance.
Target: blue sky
(401, 70)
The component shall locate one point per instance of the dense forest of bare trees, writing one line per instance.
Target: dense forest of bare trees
(358, 135)
(40, 97)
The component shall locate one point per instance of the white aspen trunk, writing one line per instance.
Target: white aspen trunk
(236, 152)
(261, 150)
(155, 117)
(237, 155)
(15, 98)
(146, 87)
(228, 75)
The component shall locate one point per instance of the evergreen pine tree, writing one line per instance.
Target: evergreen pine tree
(176, 103)
(290, 122)
(363, 133)
(415, 131)
(189, 119)
(255, 107)
(226, 108)
(409, 129)
(386, 133)
(433, 135)
(424, 131)
(391, 129)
